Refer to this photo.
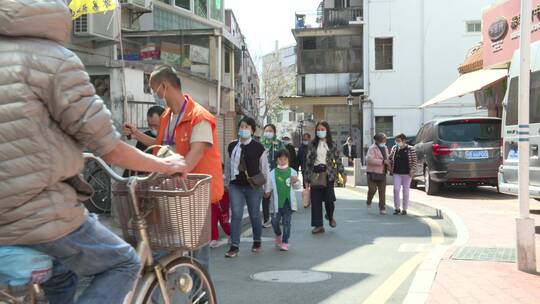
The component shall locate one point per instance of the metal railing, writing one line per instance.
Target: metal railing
(341, 16)
(136, 113)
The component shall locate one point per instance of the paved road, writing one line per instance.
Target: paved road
(364, 252)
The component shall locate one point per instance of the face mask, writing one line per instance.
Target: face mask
(244, 134)
(382, 145)
(154, 132)
(305, 142)
(159, 101)
(287, 142)
(283, 167)
(321, 134)
(268, 135)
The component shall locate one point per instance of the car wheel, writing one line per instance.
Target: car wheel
(432, 187)
(414, 184)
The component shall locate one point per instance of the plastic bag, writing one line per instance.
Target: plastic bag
(22, 265)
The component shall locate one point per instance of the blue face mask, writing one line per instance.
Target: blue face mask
(244, 134)
(382, 145)
(159, 101)
(321, 134)
(269, 135)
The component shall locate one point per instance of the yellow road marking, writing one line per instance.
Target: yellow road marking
(385, 291)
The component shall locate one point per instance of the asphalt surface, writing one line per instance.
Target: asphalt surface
(363, 252)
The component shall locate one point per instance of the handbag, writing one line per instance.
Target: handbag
(254, 181)
(319, 177)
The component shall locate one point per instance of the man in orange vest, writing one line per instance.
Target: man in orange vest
(190, 130)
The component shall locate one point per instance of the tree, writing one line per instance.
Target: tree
(276, 81)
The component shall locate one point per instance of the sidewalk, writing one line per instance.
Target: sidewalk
(488, 221)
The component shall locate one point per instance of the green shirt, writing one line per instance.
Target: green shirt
(283, 185)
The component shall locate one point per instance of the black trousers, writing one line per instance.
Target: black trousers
(318, 196)
(266, 209)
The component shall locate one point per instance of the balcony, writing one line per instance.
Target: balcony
(328, 17)
(334, 17)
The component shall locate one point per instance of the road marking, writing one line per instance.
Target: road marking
(389, 287)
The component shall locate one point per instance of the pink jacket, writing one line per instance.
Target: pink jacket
(375, 159)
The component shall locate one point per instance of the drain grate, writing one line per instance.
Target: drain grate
(494, 254)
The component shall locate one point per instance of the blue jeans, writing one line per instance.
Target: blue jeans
(91, 250)
(283, 217)
(240, 195)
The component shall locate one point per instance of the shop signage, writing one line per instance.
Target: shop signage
(501, 30)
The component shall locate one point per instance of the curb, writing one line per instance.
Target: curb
(425, 274)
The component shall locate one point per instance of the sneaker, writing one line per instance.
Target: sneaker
(214, 244)
(404, 212)
(368, 206)
(382, 212)
(326, 217)
(397, 211)
(267, 224)
(333, 223)
(284, 247)
(256, 247)
(233, 252)
(318, 230)
(279, 240)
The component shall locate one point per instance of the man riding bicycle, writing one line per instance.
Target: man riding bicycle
(48, 114)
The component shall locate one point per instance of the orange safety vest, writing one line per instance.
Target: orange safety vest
(210, 163)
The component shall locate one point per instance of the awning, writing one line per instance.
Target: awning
(468, 83)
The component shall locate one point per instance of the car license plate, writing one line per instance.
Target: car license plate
(483, 154)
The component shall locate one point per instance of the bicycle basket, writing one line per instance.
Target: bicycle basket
(176, 218)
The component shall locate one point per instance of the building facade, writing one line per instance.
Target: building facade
(193, 36)
(330, 66)
(413, 56)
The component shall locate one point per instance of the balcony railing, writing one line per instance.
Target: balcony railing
(341, 16)
(328, 17)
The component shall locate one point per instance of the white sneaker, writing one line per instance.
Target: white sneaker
(214, 244)
(267, 224)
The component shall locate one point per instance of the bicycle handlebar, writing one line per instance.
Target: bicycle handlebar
(115, 175)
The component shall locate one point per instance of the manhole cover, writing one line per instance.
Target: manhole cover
(494, 254)
(291, 276)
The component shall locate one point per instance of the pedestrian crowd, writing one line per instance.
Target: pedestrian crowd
(50, 114)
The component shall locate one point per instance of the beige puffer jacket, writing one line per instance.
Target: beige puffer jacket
(48, 114)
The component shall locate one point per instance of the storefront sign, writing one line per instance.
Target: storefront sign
(501, 30)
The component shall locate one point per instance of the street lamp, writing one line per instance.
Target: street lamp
(350, 103)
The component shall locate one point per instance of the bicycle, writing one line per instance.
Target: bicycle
(165, 213)
(100, 202)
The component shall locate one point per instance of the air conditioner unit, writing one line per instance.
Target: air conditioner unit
(136, 5)
(102, 26)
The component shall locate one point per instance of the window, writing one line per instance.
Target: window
(473, 26)
(216, 10)
(384, 124)
(342, 3)
(227, 62)
(512, 106)
(383, 53)
(461, 131)
(303, 84)
(201, 9)
(309, 43)
(183, 4)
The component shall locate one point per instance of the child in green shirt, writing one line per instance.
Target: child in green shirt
(281, 185)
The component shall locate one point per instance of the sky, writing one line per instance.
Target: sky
(263, 22)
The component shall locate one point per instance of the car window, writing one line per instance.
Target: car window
(419, 135)
(428, 133)
(470, 130)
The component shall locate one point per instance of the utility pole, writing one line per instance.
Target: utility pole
(525, 226)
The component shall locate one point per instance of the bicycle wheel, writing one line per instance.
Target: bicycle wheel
(187, 282)
(100, 202)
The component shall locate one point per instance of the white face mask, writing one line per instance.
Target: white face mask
(283, 167)
(154, 132)
(286, 142)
